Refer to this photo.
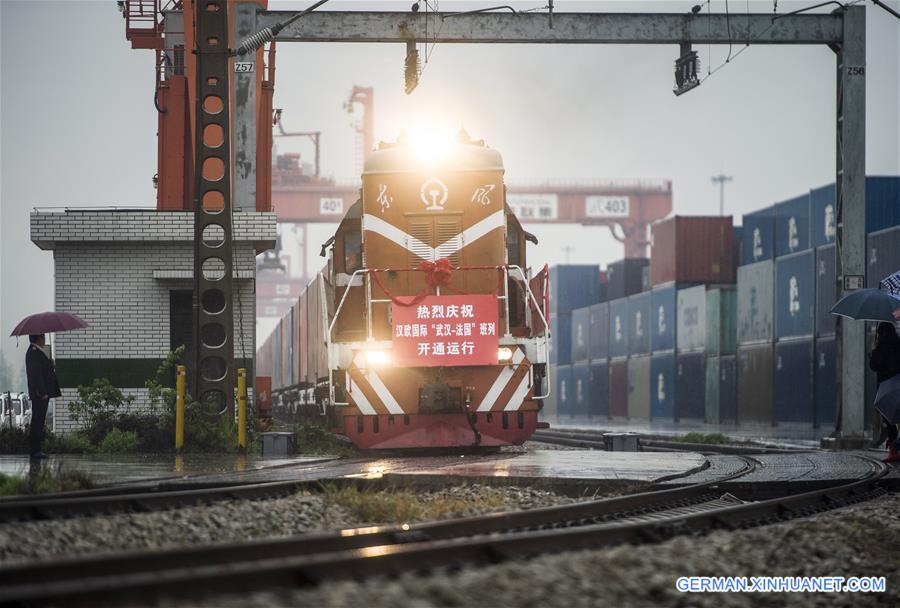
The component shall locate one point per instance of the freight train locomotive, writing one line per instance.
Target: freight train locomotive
(425, 328)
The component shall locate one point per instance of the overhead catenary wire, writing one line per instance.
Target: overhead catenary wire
(268, 34)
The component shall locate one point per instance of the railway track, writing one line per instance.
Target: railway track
(594, 440)
(386, 550)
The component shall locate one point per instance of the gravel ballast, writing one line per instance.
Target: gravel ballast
(855, 541)
(233, 521)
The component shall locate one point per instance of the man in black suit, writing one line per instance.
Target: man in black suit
(42, 387)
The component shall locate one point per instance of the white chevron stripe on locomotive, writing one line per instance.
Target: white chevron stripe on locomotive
(378, 387)
(400, 237)
(503, 378)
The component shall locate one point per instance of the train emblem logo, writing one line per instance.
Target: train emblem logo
(384, 199)
(482, 194)
(434, 194)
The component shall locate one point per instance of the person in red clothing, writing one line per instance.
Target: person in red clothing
(885, 362)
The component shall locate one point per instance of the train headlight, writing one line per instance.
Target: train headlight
(504, 354)
(431, 144)
(377, 358)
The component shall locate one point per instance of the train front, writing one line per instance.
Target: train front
(438, 334)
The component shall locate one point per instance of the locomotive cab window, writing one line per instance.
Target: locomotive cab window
(513, 244)
(352, 251)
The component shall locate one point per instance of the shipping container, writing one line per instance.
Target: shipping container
(721, 321)
(297, 345)
(721, 389)
(691, 319)
(883, 255)
(625, 277)
(662, 386)
(618, 389)
(618, 328)
(638, 324)
(824, 375)
(737, 240)
(823, 216)
(561, 339)
(792, 225)
(565, 395)
(598, 342)
(758, 236)
(826, 285)
(639, 388)
(663, 307)
(581, 384)
(277, 359)
(696, 249)
(755, 302)
(573, 286)
(755, 367)
(690, 387)
(599, 404)
(794, 391)
(882, 202)
(581, 320)
(795, 295)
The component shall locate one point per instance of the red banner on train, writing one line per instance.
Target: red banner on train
(446, 330)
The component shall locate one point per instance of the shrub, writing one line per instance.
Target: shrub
(315, 439)
(119, 442)
(14, 440)
(48, 479)
(73, 443)
(97, 403)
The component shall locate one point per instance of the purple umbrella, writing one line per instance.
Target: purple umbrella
(48, 322)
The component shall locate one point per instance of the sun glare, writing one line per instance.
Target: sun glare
(430, 144)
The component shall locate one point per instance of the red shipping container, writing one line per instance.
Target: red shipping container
(263, 393)
(618, 389)
(693, 249)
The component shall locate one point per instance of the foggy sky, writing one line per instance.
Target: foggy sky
(78, 126)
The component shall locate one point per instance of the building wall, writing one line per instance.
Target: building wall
(116, 270)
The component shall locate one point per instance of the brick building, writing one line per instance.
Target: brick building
(129, 274)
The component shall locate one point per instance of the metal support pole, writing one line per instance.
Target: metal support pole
(242, 410)
(179, 407)
(245, 118)
(850, 192)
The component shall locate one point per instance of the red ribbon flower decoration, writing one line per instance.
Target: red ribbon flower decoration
(437, 274)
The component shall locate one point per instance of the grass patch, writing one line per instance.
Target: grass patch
(403, 506)
(709, 438)
(315, 440)
(50, 479)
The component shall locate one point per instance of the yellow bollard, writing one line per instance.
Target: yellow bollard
(179, 407)
(242, 409)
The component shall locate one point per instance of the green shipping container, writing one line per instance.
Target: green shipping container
(721, 321)
(712, 390)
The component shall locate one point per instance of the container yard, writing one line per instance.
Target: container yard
(452, 304)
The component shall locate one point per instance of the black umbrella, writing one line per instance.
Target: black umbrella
(868, 305)
(887, 401)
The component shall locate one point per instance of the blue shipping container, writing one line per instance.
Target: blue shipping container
(690, 387)
(882, 202)
(598, 342)
(792, 225)
(663, 304)
(565, 393)
(823, 216)
(795, 295)
(758, 236)
(561, 339)
(581, 320)
(883, 255)
(618, 328)
(826, 294)
(793, 382)
(638, 323)
(824, 377)
(573, 286)
(662, 386)
(598, 407)
(581, 381)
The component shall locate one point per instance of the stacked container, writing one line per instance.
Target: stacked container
(663, 321)
(639, 356)
(598, 344)
(571, 287)
(690, 370)
(721, 365)
(755, 334)
(581, 330)
(625, 277)
(795, 322)
(826, 295)
(758, 236)
(792, 219)
(692, 249)
(618, 358)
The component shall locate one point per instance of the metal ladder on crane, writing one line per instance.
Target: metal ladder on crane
(142, 24)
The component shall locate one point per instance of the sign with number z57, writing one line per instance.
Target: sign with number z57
(243, 67)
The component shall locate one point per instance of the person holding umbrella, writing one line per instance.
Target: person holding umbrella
(42, 387)
(43, 384)
(885, 362)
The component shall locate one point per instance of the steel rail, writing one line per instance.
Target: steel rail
(640, 505)
(421, 552)
(594, 439)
